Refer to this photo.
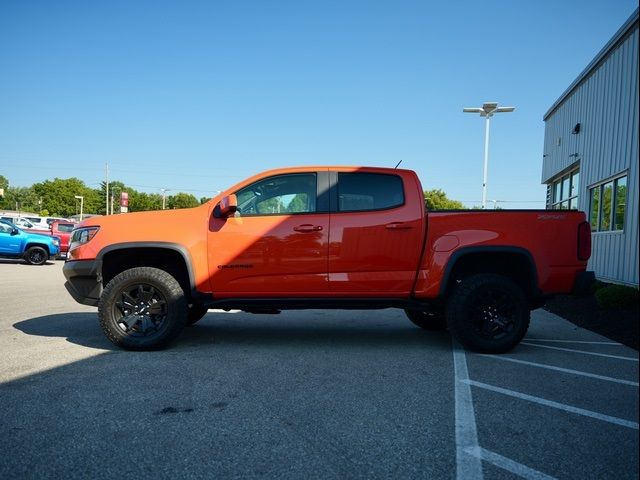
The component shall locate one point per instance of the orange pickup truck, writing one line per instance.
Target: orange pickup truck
(326, 237)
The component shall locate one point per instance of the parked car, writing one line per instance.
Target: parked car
(35, 248)
(62, 229)
(329, 237)
(45, 222)
(24, 222)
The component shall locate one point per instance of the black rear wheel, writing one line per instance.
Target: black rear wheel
(488, 313)
(142, 308)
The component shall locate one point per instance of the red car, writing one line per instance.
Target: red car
(62, 230)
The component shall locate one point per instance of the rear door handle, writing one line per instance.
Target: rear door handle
(307, 227)
(397, 226)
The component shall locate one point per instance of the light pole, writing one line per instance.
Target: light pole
(164, 191)
(487, 110)
(81, 198)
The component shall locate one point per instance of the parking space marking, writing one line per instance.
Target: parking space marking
(617, 357)
(507, 464)
(573, 341)
(560, 406)
(467, 466)
(560, 369)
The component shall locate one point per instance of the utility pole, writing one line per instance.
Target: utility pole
(106, 200)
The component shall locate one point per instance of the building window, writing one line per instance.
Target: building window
(565, 191)
(607, 205)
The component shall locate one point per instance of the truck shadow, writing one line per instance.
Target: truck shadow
(311, 329)
(292, 329)
(81, 328)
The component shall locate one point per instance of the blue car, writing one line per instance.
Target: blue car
(36, 249)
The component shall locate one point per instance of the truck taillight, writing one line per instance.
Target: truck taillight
(584, 241)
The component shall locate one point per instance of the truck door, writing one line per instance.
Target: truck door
(277, 243)
(376, 234)
(9, 244)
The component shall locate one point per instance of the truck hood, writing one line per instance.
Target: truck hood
(182, 226)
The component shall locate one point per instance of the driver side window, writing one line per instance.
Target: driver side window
(280, 195)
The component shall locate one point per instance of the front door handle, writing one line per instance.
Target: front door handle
(307, 227)
(397, 226)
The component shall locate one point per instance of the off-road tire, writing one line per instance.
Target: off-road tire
(196, 312)
(488, 313)
(158, 324)
(36, 256)
(431, 321)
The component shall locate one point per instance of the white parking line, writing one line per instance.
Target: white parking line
(560, 406)
(618, 357)
(560, 369)
(507, 464)
(467, 466)
(572, 341)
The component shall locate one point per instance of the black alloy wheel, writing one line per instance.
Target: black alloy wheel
(488, 313)
(143, 308)
(36, 256)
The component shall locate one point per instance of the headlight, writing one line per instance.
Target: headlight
(82, 236)
(56, 242)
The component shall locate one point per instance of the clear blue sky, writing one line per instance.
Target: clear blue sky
(196, 95)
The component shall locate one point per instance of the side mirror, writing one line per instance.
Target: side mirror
(15, 231)
(228, 205)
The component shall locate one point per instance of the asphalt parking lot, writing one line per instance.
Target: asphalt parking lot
(304, 394)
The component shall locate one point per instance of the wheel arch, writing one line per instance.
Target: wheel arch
(514, 262)
(36, 244)
(173, 258)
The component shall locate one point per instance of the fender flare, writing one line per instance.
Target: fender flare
(465, 251)
(176, 247)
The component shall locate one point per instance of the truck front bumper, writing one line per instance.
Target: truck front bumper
(84, 280)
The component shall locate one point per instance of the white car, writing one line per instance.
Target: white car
(23, 222)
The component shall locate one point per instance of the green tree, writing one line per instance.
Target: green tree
(436, 199)
(142, 202)
(182, 200)
(20, 198)
(4, 182)
(58, 196)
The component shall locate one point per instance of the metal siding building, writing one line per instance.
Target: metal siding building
(590, 159)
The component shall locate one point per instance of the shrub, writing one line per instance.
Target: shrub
(616, 296)
(597, 285)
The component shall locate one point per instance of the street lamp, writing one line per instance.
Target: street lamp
(487, 110)
(81, 198)
(164, 191)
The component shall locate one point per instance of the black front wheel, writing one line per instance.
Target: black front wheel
(36, 256)
(142, 308)
(488, 313)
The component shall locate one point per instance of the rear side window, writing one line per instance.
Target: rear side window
(65, 227)
(369, 191)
